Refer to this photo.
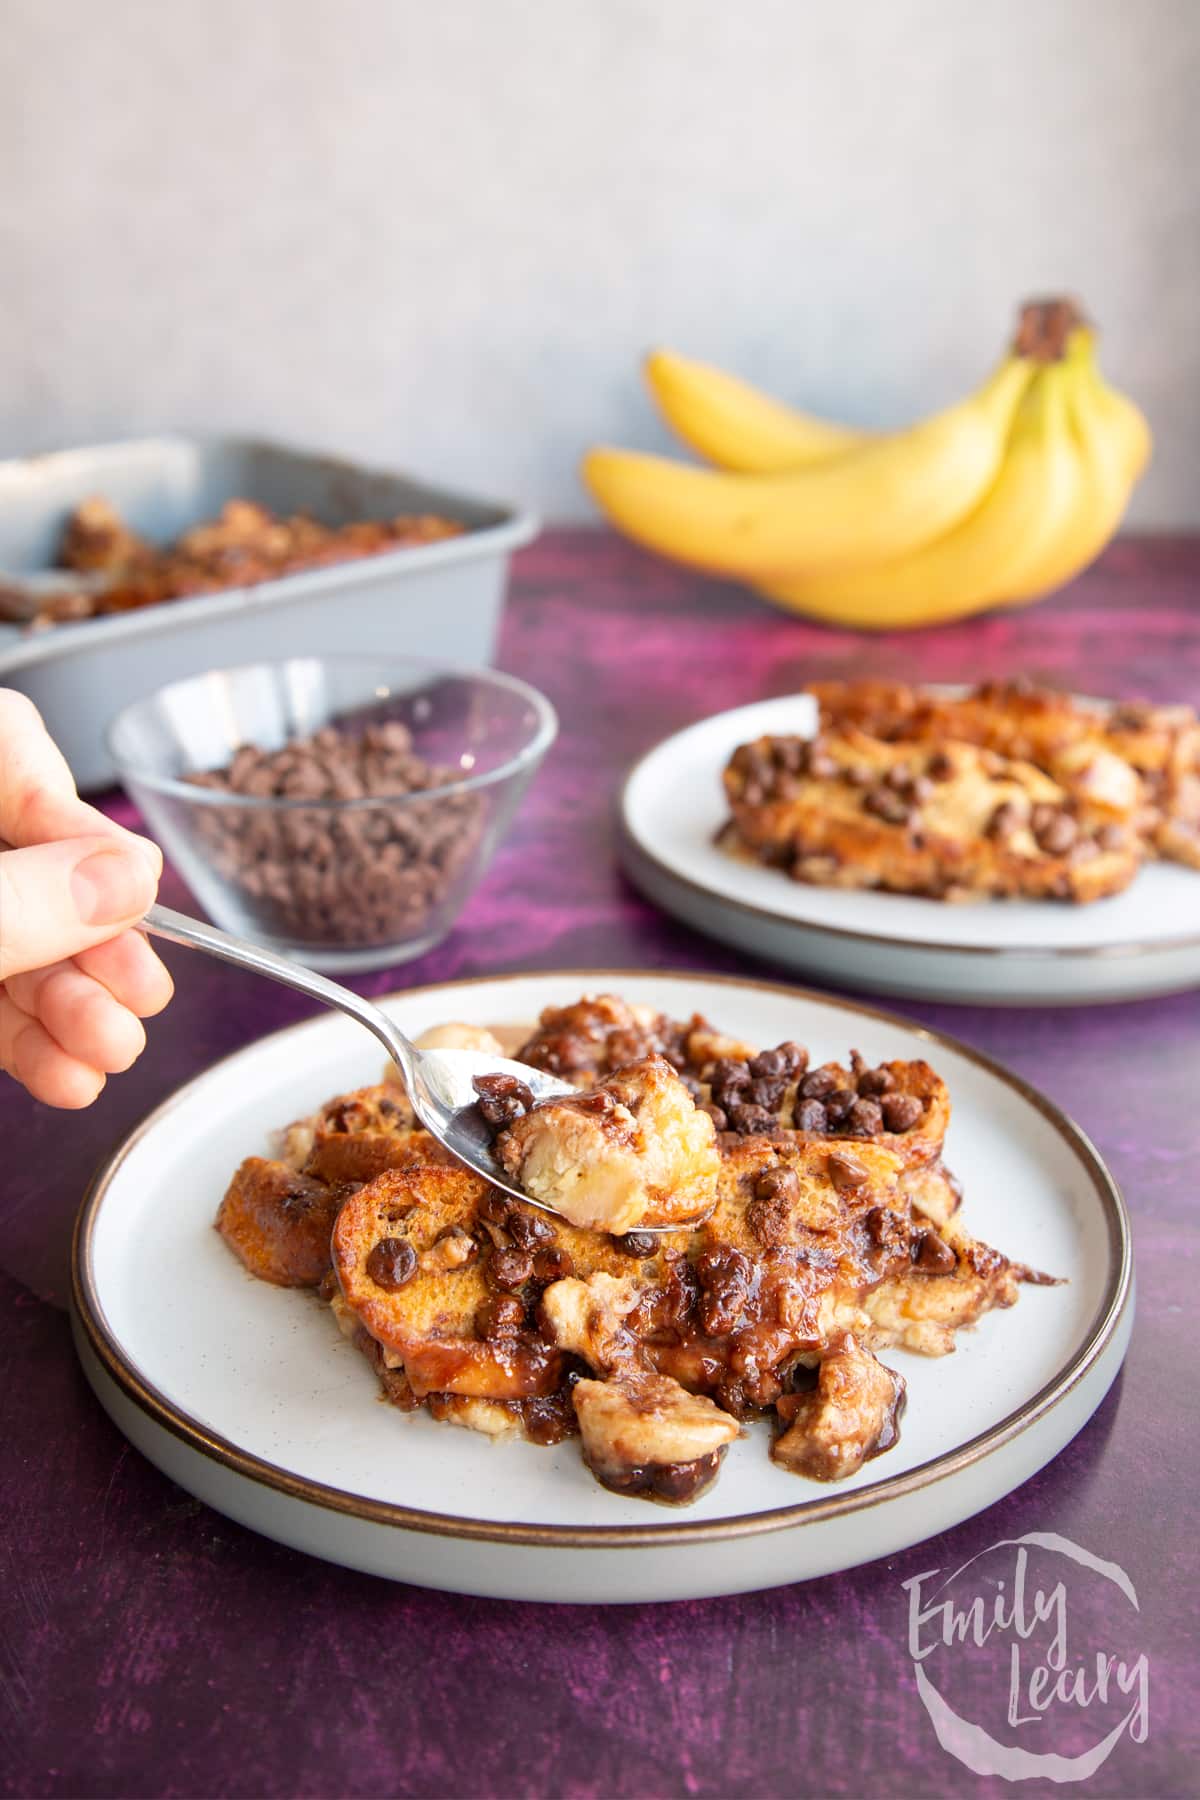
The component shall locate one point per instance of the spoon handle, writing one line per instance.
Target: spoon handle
(180, 928)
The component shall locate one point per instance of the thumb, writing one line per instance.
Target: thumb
(57, 899)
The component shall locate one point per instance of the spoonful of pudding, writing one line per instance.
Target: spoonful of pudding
(634, 1153)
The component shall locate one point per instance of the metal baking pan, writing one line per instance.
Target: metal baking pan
(439, 600)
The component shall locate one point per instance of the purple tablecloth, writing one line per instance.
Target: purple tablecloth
(149, 1646)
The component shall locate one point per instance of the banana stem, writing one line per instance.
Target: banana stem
(1045, 327)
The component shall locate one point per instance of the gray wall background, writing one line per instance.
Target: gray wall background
(440, 234)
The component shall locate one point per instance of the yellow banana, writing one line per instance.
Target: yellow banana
(1110, 444)
(989, 554)
(735, 425)
(875, 503)
(1122, 418)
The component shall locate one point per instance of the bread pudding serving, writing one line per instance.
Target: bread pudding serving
(1012, 791)
(737, 1232)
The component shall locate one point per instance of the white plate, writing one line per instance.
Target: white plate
(1000, 953)
(247, 1395)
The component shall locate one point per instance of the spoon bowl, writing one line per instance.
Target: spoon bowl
(439, 1083)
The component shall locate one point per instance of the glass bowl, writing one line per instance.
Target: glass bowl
(344, 883)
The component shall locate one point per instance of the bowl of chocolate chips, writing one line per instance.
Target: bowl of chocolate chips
(341, 809)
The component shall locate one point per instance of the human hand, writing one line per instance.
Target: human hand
(75, 981)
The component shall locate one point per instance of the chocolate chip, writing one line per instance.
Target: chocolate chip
(838, 1103)
(528, 1229)
(795, 1058)
(778, 1183)
(864, 1118)
(846, 1172)
(729, 1080)
(767, 1091)
(876, 1081)
(509, 1269)
(900, 1111)
(822, 766)
(1131, 715)
(790, 754)
(552, 1264)
(500, 1317)
(881, 1224)
(303, 1195)
(762, 763)
(1055, 834)
(890, 1232)
(392, 1262)
(900, 778)
(817, 1084)
(768, 1062)
(932, 1255)
(1005, 819)
(885, 803)
(811, 1116)
(940, 767)
(728, 1072)
(726, 1277)
(495, 1207)
(747, 1119)
(345, 1116)
(502, 1098)
(680, 1292)
(635, 1243)
(717, 1115)
(493, 1086)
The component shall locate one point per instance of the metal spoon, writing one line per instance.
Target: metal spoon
(438, 1082)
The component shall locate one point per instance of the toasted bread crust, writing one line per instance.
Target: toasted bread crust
(277, 1222)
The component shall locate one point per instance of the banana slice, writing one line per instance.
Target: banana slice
(633, 1151)
(645, 1434)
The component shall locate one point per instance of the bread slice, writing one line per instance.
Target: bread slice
(949, 821)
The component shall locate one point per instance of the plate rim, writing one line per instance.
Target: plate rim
(176, 1420)
(629, 842)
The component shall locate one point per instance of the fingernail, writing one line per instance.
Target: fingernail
(108, 887)
(151, 855)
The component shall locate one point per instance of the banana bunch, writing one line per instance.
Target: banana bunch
(996, 501)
